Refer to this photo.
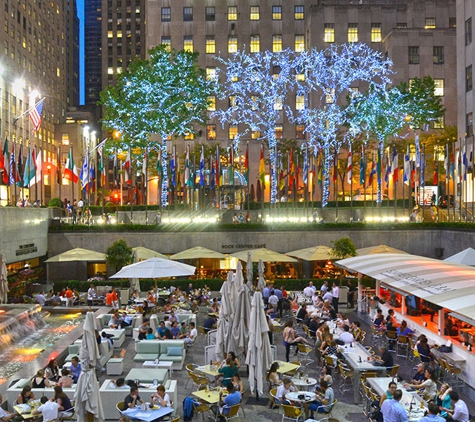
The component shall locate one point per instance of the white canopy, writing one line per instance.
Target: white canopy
(448, 285)
(155, 268)
(466, 257)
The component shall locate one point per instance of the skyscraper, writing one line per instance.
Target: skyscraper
(93, 50)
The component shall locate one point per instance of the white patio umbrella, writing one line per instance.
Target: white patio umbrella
(249, 271)
(135, 282)
(3, 280)
(88, 400)
(155, 268)
(466, 257)
(225, 317)
(261, 282)
(238, 281)
(259, 355)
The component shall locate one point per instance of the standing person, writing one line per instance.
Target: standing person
(273, 300)
(336, 296)
(115, 299)
(392, 410)
(352, 290)
(91, 294)
(75, 369)
(459, 411)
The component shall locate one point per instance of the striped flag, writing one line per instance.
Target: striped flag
(407, 167)
(59, 175)
(35, 114)
(30, 169)
(395, 165)
(70, 170)
(128, 168)
(5, 163)
(188, 181)
(39, 166)
(246, 164)
(84, 176)
(362, 167)
(19, 168)
(262, 167)
(144, 167)
(349, 166)
(173, 166)
(446, 162)
(202, 167)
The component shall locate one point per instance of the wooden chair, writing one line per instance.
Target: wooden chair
(291, 413)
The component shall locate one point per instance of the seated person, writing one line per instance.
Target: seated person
(238, 385)
(379, 318)
(273, 375)
(163, 332)
(132, 399)
(404, 330)
(118, 383)
(143, 329)
(49, 409)
(127, 319)
(386, 358)
(4, 415)
(302, 314)
(346, 336)
(209, 323)
(75, 369)
(115, 321)
(286, 387)
(191, 336)
(173, 317)
(419, 377)
(183, 330)
(150, 335)
(39, 380)
(25, 395)
(161, 397)
(65, 381)
(175, 330)
(228, 369)
(63, 400)
(324, 399)
(234, 397)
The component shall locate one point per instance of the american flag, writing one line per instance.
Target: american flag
(35, 114)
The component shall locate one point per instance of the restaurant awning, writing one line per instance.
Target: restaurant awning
(265, 254)
(448, 285)
(370, 250)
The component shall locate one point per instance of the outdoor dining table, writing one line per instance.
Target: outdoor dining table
(148, 415)
(304, 383)
(25, 410)
(380, 385)
(360, 360)
(285, 367)
(210, 396)
(210, 371)
(159, 364)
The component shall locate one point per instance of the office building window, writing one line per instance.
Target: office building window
(211, 100)
(211, 132)
(376, 33)
(188, 43)
(210, 44)
(469, 124)
(187, 14)
(276, 43)
(232, 44)
(299, 13)
(430, 23)
(210, 73)
(210, 14)
(255, 134)
(352, 32)
(299, 43)
(468, 31)
(255, 46)
(167, 42)
(166, 14)
(329, 32)
(439, 87)
(439, 55)
(233, 131)
(299, 102)
(278, 104)
(452, 22)
(232, 13)
(401, 25)
(413, 55)
(254, 13)
(300, 131)
(276, 13)
(330, 96)
(439, 123)
(232, 99)
(279, 131)
(468, 78)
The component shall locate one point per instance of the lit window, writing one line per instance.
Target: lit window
(233, 131)
(211, 132)
(413, 55)
(166, 14)
(278, 104)
(439, 123)
(299, 102)
(352, 32)
(211, 103)
(255, 134)
(299, 43)
(254, 102)
(232, 100)
(232, 44)
(210, 14)
(430, 23)
(210, 44)
(279, 131)
(189, 136)
(299, 13)
(276, 13)
(401, 25)
(469, 124)
(254, 13)
(376, 33)
(187, 14)
(468, 78)
(58, 72)
(438, 54)
(276, 43)
(167, 42)
(255, 46)
(188, 43)
(439, 87)
(300, 131)
(330, 96)
(110, 70)
(232, 13)
(300, 77)
(210, 73)
(110, 34)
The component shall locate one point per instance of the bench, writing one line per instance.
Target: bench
(164, 350)
(102, 322)
(118, 336)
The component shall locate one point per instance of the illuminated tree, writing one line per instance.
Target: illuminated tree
(328, 77)
(165, 94)
(257, 85)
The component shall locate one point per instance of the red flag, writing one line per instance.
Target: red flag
(127, 169)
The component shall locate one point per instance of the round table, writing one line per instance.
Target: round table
(296, 396)
(304, 383)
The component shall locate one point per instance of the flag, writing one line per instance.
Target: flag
(388, 170)
(202, 167)
(128, 168)
(30, 169)
(246, 164)
(452, 164)
(446, 162)
(464, 162)
(84, 176)
(5, 163)
(395, 165)
(13, 178)
(362, 167)
(92, 178)
(34, 161)
(418, 151)
(314, 175)
(378, 166)
(291, 170)
(219, 177)
(188, 181)
(144, 167)
(59, 177)
(349, 166)
(372, 173)
(335, 168)
(212, 177)
(70, 170)
(320, 167)
(101, 168)
(39, 166)
(115, 169)
(173, 166)
(159, 165)
(423, 167)
(407, 167)
(35, 114)
(305, 167)
(436, 174)
(19, 168)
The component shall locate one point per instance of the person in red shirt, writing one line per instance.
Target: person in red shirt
(69, 293)
(109, 298)
(115, 299)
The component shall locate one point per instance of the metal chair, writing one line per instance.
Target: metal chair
(201, 408)
(402, 344)
(275, 402)
(202, 330)
(304, 351)
(327, 415)
(233, 412)
(291, 413)
(454, 375)
(345, 375)
(198, 380)
(391, 336)
(394, 371)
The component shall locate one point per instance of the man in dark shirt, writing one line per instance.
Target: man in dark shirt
(209, 323)
(302, 314)
(386, 357)
(419, 377)
(133, 398)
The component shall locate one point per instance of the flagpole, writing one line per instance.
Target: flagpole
(72, 179)
(473, 171)
(145, 185)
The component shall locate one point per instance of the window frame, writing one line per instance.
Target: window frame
(438, 53)
(376, 33)
(468, 78)
(233, 44)
(277, 13)
(210, 17)
(163, 15)
(299, 12)
(188, 39)
(353, 35)
(187, 17)
(468, 31)
(210, 44)
(277, 43)
(413, 53)
(210, 130)
(232, 13)
(255, 40)
(254, 13)
(329, 32)
(301, 43)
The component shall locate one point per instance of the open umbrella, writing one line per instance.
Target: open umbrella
(265, 254)
(88, 400)
(370, 250)
(3, 280)
(197, 253)
(78, 254)
(259, 355)
(155, 268)
(142, 253)
(315, 253)
(466, 257)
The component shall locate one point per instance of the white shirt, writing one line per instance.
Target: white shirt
(308, 291)
(273, 300)
(3, 414)
(336, 291)
(323, 289)
(193, 333)
(49, 410)
(282, 391)
(328, 296)
(347, 337)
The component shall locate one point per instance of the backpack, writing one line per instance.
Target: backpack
(188, 410)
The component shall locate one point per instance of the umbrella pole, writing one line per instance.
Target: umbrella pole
(89, 417)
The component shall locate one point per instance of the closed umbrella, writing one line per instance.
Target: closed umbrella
(135, 282)
(88, 400)
(3, 280)
(259, 355)
(225, 317)
(261, 283)
(238, 281)
(249, 270)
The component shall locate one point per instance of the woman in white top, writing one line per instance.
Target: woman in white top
(429, 385)
(161, 398)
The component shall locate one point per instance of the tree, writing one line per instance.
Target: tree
(343, 248)
(165, 94)
(119, 254)
(257, 85)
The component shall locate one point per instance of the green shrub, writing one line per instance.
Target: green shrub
(55, 203)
